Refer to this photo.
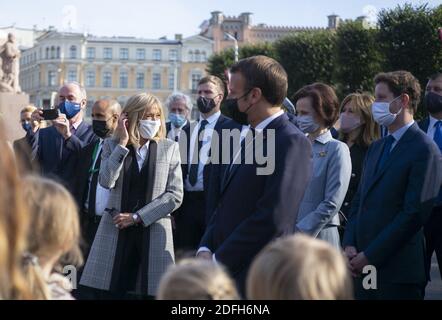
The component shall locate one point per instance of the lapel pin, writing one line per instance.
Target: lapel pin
(322, 153)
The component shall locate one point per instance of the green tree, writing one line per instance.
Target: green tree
(307, 57)
(218, 63)
(408, 38)
(358, 58)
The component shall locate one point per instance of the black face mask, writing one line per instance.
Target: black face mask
(433, 102)
(100, 128)
(205, 105)
(232, 106)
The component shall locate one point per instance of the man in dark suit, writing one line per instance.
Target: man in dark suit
(56, 147)
(253, 207)
(195, 149)
(179, 106)
(432, 125)
(22, 149)
(91, 198)
(400, 181)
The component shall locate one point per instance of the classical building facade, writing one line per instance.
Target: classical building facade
(112, 67)
(242, 29)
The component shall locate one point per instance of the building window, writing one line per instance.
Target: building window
(196, 77)
(90, 53)
(203, 56)
(52, 52)
(156, 81)
(197, 56)
(90, 78)
(107, 53)
(171, 81)
(141, 54)
(124, 53)
(191, 56)
(156, 54)
(47, 53)
(72, 75)
(173, 55)
(123, 79)
(52, 78)
(107, 79)
(140, 80)
(73, 52)
(58, 52)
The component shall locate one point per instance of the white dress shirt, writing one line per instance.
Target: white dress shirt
(174, 131)
(101, 194)
(397, 135)
(431, 129)
(204, 152)
(141, 154)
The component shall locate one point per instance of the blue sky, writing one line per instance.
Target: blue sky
(156, 18)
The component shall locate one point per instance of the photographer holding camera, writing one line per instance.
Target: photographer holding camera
(55, 147)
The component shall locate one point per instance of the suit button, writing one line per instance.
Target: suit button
(353, 175)
(345, 204)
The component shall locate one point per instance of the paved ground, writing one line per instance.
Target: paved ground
(434, 288)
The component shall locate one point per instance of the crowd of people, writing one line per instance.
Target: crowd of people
(149, 209)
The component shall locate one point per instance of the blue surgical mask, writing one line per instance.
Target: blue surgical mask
(307, 124)
(70, 109)
(26, 126)
(177, 120)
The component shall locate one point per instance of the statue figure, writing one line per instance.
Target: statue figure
(9, 58)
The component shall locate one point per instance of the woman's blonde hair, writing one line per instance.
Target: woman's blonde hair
(299, 268)
(135, 108)
(196, 279)
(55, 230)
(360, 104)
(14, 223)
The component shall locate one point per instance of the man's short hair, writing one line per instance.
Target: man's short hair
(435, 76)
(220, 85)
(400, 82)
(82, 89)
(175, 96)
(266, 74)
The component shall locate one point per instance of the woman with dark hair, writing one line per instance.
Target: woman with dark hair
(318, 109)
(358, 130)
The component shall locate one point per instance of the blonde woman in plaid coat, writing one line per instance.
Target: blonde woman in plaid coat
(133, 245)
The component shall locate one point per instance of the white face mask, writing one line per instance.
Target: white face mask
(149, 128)
(381, 113)
(307, 124)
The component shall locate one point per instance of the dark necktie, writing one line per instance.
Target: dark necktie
(93, 186)
(193, 173)
(438, 134)
(176, 138)
(389, 140)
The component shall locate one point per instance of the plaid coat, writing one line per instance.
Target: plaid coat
(166, 198)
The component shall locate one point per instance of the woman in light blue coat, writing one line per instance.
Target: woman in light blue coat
(318, 109)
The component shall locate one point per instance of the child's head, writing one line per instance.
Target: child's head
(54, 235)
(196, 279)
(299, 268)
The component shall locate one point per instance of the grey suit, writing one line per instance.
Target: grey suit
(167, 196)
(318, 214)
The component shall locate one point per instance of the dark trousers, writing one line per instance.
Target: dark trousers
(388, 291)
(189, 223)
(433, 238)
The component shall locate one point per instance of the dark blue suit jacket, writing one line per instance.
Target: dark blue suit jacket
(254, 209)
(392, 205)
(56, 156)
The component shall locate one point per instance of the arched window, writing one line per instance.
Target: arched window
(47, 53)
(58, 52)
(52, 52)
(197, 56)
(191, 56)
(203, 56)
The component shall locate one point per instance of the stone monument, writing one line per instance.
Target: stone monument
(12, 100)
